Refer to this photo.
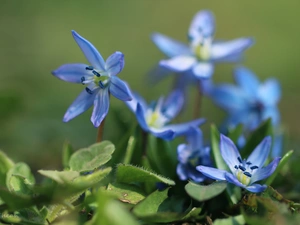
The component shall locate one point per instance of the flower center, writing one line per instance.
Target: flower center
(154, 115)
(99, 78)
(202, 49)
(244, 171)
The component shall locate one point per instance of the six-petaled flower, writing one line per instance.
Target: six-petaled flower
(100, 78)
(244, 172)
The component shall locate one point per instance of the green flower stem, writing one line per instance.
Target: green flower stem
(198, 101)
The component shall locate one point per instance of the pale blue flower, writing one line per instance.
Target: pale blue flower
(155, 118)
(250, 102)
(192, 154)
(244, 173)
(100, 78)
(202, 52)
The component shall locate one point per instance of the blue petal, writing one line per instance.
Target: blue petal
(232, 179)
(119, 89)
(263, 173)
(261, 152)
(203, 25)
(203, 70)
(115, 63)
(270, 92)
(184, 152)
(229, 152)
(71, 72)
(186, 171)
(195, 138)
(90, 52)
(173, 104)
(222, 50)
(140, 116)
(181, 171)
(229, 97)
(162, 133)
(256, 188)
(183, 128)
(247, 81)
(82, 103)
(212, 173)
(136, 98)
(169, 46)
(101, 106)
(178, 63)
(277, 144)
(273, 113)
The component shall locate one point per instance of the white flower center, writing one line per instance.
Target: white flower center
(244, 171)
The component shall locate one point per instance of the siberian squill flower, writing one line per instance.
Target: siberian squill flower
(155, 117)
(192, 154)
(249, 102)
(100, 78)
(244, 172)
(199, 56)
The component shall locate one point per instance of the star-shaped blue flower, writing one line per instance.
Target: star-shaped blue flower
(250, 102)
(155, 117)
(100, 78)
(244, 173)
(192, 154)
(199, 57)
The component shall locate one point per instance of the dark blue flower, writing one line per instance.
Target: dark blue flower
(202, 52)
(100, 78)
(192, 154)
(155, 117)
(244, 173)
(250, 102)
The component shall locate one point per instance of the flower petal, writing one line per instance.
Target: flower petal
(173, 104)
(183, 128)
(232, 179)
(90, 52)
(178, 63)
(115, 63)
(119, 89)
(229, 152)
(136, 98)
(162, 133)
(181, 171)
(203, 70)
(263, 173)
(184, 152)
(261, 152)
(247, 81)
(212, 173)
(229, 97)
(140, 116)
(270, 92)
(169, 46)
(273, 113)
(82, 103)
(71, 72)
(101, 106)
(256, 188)
(228, 49)
(203, 25)
(195, 138)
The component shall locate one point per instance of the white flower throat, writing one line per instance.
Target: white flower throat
(202, 48)
(155, 116)
(244, 171)
(98, 78)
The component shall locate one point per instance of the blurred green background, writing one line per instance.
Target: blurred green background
(36, 38)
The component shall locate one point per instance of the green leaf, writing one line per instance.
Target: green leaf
(14, 201)
(236, 220)
(193, 214)
(281, 164)
(130, 149)
(139, 175)
(91, 158)
(158, 207)
(215, 146)
(205, 192)
(126, 193)
(61, 177)
(67, 152)
(256, 137)
(5, 164)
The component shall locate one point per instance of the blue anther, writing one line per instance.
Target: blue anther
(101, 85)
(242, 168)
(247, 174)
(240, 160)
(96, 73)
(248, 163)
(253, 167)
(89, 90)
(89, 68)
(82, 79)
(236, 167)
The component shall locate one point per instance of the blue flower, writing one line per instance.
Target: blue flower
(244, 173)
(100, 78)
(250, 102)
(155, 117)
(191, 155)
(202, 52)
